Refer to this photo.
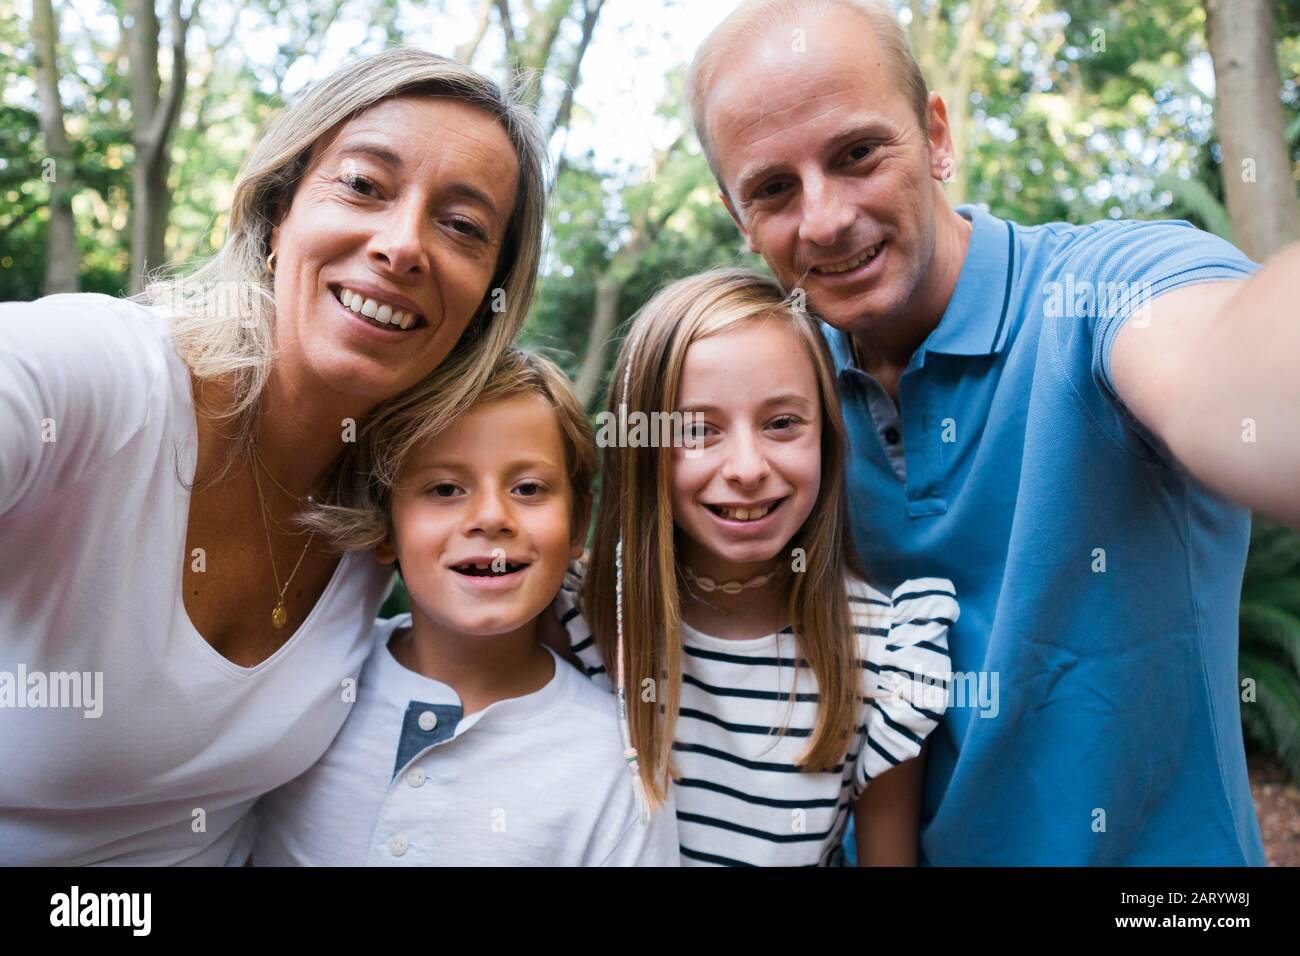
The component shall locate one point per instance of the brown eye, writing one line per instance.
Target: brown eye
(358, 184)
(467, 227)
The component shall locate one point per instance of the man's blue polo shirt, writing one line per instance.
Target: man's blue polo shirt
(1098, 582)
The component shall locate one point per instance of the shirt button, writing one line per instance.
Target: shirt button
(415, 777)
(428, 720)
(398, 845)
(891, 435)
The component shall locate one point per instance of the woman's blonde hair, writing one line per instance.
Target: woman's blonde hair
(636, 507)
(366, 520)
(222, 314)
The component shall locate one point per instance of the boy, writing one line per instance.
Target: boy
(469, 742)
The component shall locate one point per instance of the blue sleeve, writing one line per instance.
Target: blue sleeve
(1110, 274)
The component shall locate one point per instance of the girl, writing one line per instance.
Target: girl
(725, 598)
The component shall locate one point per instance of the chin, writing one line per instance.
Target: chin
(489, 626)
(751, 553)
(359, 378)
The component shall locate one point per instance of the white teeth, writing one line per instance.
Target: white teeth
(382, 313)
(867, 255)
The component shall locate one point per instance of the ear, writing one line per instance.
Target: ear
(938, 135)
(384, 552)
(726, 201)
(581, 522)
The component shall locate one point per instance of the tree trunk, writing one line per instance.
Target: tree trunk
(1257, 174)
(62, 270)
(153, 122)
(947, 60)
(465, 52)
(610, 284)
(604, 318)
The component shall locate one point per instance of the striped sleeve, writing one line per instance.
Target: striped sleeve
(908, 664)
(581, 641)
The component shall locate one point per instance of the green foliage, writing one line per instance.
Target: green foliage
(1270, 644)
(399, 601)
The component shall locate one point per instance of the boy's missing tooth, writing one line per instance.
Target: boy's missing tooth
(469, 743)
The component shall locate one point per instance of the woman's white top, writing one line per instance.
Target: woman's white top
(125, 738)
(741, 798)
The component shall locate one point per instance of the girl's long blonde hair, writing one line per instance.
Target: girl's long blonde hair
(222, 314)
(636, 507)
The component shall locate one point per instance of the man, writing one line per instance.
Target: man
(1055, 417)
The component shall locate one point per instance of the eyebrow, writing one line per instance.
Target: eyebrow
(461, 466)
(386, 155)
(788, 398)
(871, 130)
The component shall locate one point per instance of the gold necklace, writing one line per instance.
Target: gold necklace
(310, 499)
(279, 616)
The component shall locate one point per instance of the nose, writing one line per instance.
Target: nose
(745, 464)
(826, 214)
(400, 245)
(490, 515)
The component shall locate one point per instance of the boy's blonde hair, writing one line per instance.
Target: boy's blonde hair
(364, 520)
(636, 507)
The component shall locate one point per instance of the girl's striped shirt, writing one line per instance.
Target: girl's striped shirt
(741, 799)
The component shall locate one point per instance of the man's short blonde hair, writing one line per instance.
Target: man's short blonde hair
(366, 520)
(753, 18)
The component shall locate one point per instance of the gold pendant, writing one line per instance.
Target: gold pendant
(279, 616)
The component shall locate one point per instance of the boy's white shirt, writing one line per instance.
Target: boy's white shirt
(538, 780)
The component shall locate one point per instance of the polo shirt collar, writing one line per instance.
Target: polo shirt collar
(399, 686)
(976, 320)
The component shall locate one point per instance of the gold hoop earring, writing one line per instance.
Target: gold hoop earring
(270, 263)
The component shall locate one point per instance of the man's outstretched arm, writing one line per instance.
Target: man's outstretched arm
(1215, 375)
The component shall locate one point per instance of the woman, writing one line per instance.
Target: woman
(173, 643)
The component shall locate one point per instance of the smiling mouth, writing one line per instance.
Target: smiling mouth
(753, 513)
(382, 314)
(486, 569)
(862, 258)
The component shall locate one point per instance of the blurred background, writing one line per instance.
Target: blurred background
(123, 124)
